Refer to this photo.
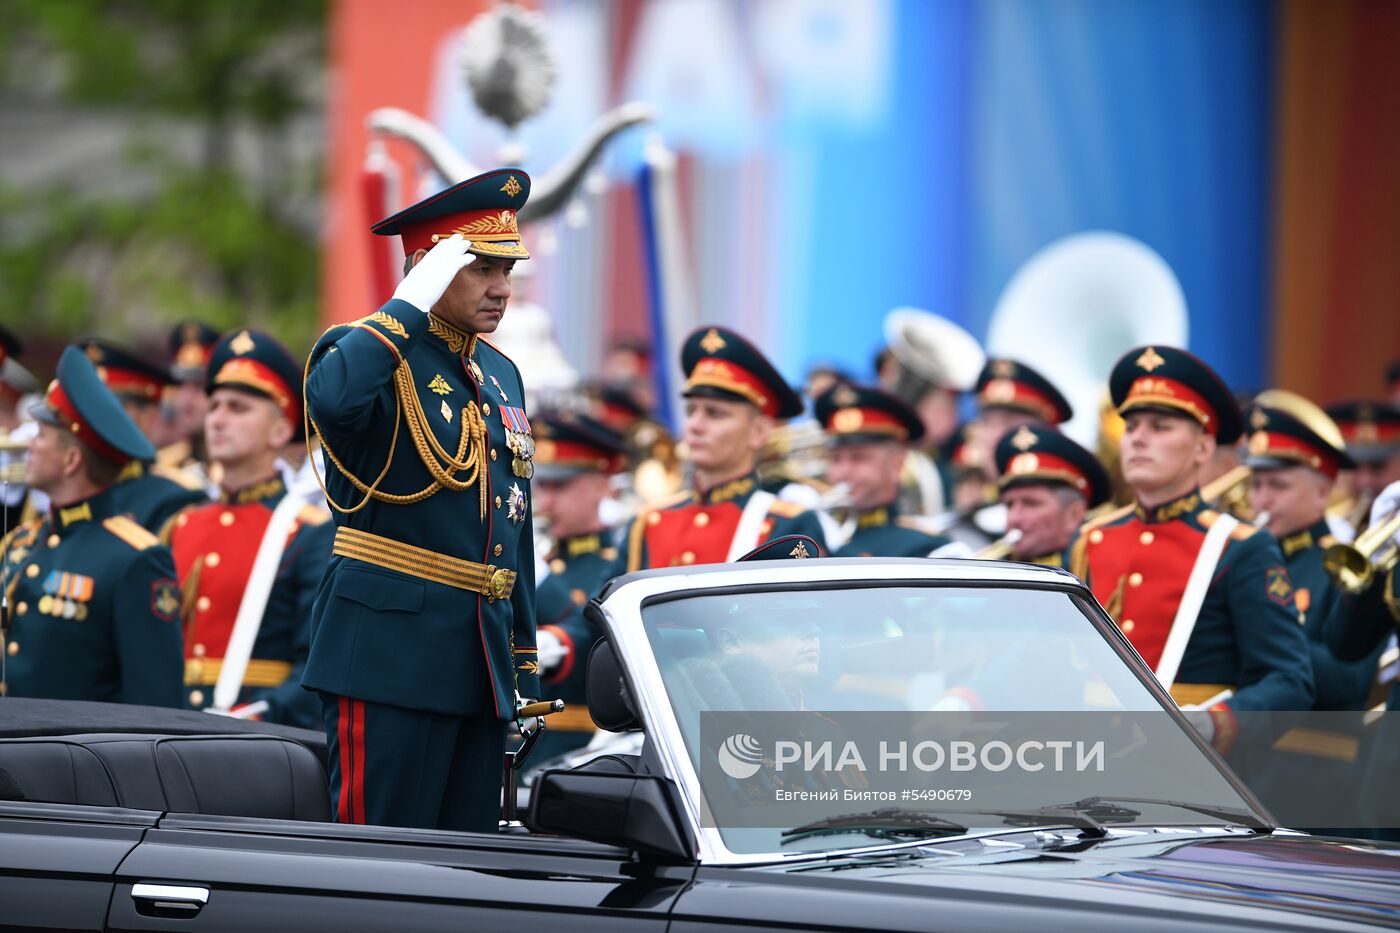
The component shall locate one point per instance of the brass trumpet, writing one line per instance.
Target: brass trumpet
(1353, 566)
(13, 471)
(1229, 492)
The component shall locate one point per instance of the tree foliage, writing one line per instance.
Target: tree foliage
(215, 213)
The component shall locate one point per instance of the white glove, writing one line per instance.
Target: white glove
(552, 651)
(1385, 506)
(426, 282)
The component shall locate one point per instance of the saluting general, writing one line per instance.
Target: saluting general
(1206, 601)
(423, 634)
(732, 396)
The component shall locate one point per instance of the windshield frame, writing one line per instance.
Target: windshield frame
(623, 602)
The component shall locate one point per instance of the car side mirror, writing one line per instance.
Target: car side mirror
(634, 811)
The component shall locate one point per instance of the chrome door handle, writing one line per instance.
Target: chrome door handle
(184, 898)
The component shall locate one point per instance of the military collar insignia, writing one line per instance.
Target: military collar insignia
(272, 488)
(82, 512)
(242, 344)
(583, 544)
(1150, 359)
(873, 518)
(516, 504)
(800, 552)
(458, 341)
(1023, 439)
(1184, 505)
(133, 470)
(1298, 541)
(712, 342)
(726, 492)
(439, 385)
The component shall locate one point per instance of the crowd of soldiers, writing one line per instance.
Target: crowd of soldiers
(383, 543)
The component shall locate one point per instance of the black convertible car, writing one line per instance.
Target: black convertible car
(127, 818)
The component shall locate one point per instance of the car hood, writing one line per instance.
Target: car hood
(1330, 880)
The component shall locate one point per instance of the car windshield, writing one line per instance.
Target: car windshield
(916, 662)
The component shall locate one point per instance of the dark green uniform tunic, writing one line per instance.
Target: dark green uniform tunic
(94, 609)
(883, 532)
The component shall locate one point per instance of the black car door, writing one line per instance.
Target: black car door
(57, 862)
(206, 873)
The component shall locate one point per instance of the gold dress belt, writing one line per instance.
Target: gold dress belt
(204, 672)
(486, 579)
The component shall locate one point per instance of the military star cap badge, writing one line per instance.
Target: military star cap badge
(712, 342)
(1150, 359)
(1024, 438)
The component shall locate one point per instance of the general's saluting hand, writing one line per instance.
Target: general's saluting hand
(426, 282)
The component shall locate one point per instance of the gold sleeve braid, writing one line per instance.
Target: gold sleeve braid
(469, 458)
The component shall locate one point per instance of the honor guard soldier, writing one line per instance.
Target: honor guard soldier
(869, 432)
(1048, 483)
(191, 343)
(423, 634)
(575, 458)
(1296, 452)
(1206, 601)
(248, 616)
(149, 493)
(733, 394)
(92, 603)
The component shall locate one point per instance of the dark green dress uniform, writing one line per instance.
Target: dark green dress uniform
(567, 445)
(1137, 560)
(423, 633)
(856, 415)
(1042, 456)
(699, 526)
(94, 606)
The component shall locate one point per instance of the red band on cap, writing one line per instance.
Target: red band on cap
(59, 401)
(867, 421)
(483, 226)
(571, 453)
(1010, 393)
(128, 382)
(1046, 466)
(1288, 447)
(1169, 393)
(617, 416)
(1369, 432)
(245, 372)
(722, 374)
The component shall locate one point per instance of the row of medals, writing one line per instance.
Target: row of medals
(521, 444)
(61, 608)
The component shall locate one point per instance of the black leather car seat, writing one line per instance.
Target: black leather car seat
(226, 775)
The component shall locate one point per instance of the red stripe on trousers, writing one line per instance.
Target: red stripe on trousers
(343, 736)
(358, 706)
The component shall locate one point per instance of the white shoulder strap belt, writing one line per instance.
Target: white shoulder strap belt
(750, 525)
(1207, 559)
(255, 594)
